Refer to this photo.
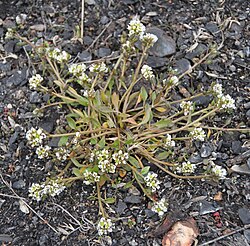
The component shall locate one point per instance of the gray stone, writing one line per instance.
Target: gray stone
(17, 79)
(195, 158)
(200, 49)
(212, 27)
(85, 56)
(104, 20)
(244, 215)
(18, 184)
(133, 199)
(248, 163)
(87, 40)
(102, 52)
(236, 147)
(121, 206)
(165, 45)
(1, 204)
(207, 207)
(247, 105)
(205, 150)
(13, 138)
(9, 46)
(149, 213)
(248, 113)
(156, 62)
(247, 235)
(90, 2)
(5, 66)
(35, 97)
(182, 65)
(203, 100)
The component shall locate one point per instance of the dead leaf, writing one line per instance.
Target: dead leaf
(218, 197)
(183, 233)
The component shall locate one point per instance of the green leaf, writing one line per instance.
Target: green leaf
(79, 113)
(143, 94)
(153, 97)
(76, 162)
(93, 141)
(163, 123)
(147, 116)
(133, 162)
(115, 101)
(63, 140)
(128, 185)
(102, 143)
(77, 172)
(83, 101)
(145, 170)
(110, 200)
(104, 109)
(71, 122)
(163, 155)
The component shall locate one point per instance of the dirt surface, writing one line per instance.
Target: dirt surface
(70, 218)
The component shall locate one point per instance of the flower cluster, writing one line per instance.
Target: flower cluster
(104, 226)
(187, 107)
(198, 134)
(77, 69)
(89, 93)
(120, 157)
(218, 171)
(135, 28)
(98, 68)
(35, 81)
(149, 39)
(128, 48)
(186, 168)
(168, 141)
(35, 137)
(59, 56)
(43, 151)
(225, 102)
(160, 207)
(62, 153)
(147, 72)
(90, 177)
(216, 89)
(104, 161)
(76, 138)
(10, 33)
(152, 182)
(173, 81)
(41, 191)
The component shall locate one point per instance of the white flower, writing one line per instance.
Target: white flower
(219, 172)
(127, 47)
(77, 69)
(58, 55)
(9, 34)
(152, 181)
(104, 226)
(147, 72)
(187, 107)
(168, 141)
(216, 89)
(226, 102)
(90, 177)
(198, 134)
(62, 153)
(43, 152)
(149, 39)
(35, 137)
(160, 207)
(120, 157)
(36, 191)
(174, 80)
(186, 168)
(35, 81)
(83, 78)
(135, 27)
(98, 68)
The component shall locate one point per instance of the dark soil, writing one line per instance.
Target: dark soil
(73, 214)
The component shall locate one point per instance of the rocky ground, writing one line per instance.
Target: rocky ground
(69, 219)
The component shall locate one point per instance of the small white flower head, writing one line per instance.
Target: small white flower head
(186, 168)
(104, 161)
(89, 93)
(152, 182)
(83, 79)
(219, 172)
(36, 192)
(128, 48)
(35, 81)
(62, 154)
(10, 33)
(173, 81)
(147, 72)
(198, 134)
(35, 137)
(43, 151)
(136, 28)
(104, 226)
(149, 39)
(187, 107)
(59, 56)
(225, 102)
(92, 157)
(120, 157)
(77, 69)
(216, 89)
(53, 187)
(90, 177)
(98, 68)
(77, 137)
(160, 207)
(168, 141)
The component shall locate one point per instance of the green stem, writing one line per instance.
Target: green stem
(100, 200)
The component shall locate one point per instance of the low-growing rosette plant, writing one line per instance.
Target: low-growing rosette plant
(121, 121)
